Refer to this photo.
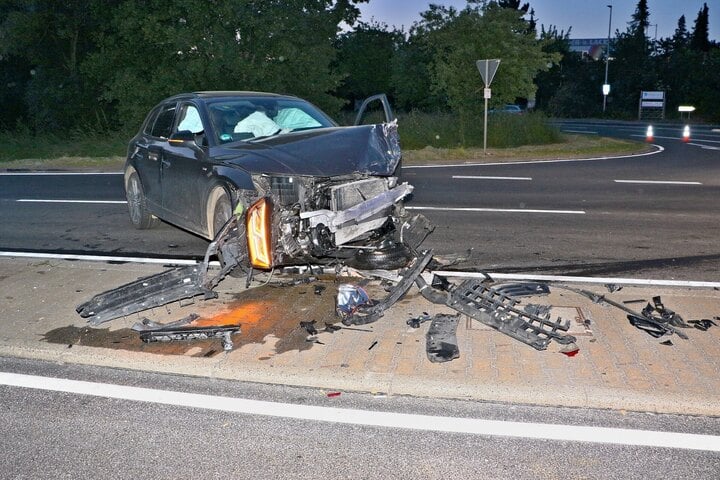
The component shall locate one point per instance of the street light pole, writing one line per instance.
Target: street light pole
(606, 90)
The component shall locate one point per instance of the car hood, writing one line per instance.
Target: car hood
(366, 149)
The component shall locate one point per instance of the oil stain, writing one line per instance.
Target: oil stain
(262, 313)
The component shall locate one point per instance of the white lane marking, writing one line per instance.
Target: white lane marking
(580, 131)
(477, 177)
(348, 416)
(503, 210)
(533, 162)
(571, 279)
(8, 174)
(99, 258)
(704, 147)
(502, 276)
(658, 182)
(40, 200)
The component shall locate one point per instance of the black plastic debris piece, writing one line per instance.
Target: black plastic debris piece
(655, 325)
(182, 330)
(612, 288)
(294, 282)
(373, 345)
(369, 313)
(416, 321)
(310, 327)
(650, 326)
(667, 342)
(703, 324)
(538, 310)
(414, 231)
(666, 314)
(638, 300)
(329, 327)
(148, 292)
(319, 289)
(441, 339)
(522, 289)
(502, 313)
(440, 283)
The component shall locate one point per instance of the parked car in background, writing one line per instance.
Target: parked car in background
(509, 109)
(302, 188)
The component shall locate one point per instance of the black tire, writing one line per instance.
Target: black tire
(391, 257)
(221, 211)
(140, 216)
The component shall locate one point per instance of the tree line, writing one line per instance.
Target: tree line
(101, 64)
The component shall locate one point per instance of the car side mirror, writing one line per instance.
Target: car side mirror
(183, 137)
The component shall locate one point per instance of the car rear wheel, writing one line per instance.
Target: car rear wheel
(140, 216)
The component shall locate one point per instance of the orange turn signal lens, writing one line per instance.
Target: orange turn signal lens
(259, 234)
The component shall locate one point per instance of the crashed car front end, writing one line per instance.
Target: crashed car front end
(303, 219)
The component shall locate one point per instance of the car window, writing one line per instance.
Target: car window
(190, 119)
(164, 123)
(150, 121)
(245, 118)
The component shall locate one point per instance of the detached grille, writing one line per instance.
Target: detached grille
(348, 195)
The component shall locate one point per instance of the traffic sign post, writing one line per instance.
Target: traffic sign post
(488, 69)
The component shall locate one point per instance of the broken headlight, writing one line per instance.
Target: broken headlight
(259, 233)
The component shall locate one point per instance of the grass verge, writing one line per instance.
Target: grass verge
(569, 146)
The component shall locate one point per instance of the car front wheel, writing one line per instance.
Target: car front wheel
(140, 216)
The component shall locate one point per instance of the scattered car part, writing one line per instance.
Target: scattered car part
(703, 324)
(166, 287)
(373, 345)
(570, 350)
(500, 312)
(441, 339)
(184, 330)
(310, 327)
(522, 289)
(415, 322)
(350, 298)
(369, 313)
(145, 293)
(653, 325)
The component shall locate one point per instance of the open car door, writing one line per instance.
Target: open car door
(382, 98)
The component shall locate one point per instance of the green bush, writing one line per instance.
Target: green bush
(444, 130)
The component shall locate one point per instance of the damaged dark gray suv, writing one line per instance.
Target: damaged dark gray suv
(272, 180)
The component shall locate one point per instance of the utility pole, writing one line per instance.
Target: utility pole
(606, 85)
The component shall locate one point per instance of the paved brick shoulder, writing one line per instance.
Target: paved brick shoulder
(617, 367)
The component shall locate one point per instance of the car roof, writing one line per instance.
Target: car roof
(225, 94)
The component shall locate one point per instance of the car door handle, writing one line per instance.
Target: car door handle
(153, 156)
(165, 163)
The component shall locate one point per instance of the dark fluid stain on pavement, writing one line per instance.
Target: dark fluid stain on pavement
(261, 312)
(277, 311)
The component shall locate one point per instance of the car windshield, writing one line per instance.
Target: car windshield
(249, 118)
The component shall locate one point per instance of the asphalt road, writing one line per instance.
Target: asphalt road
(605, 217)
(53, 434)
